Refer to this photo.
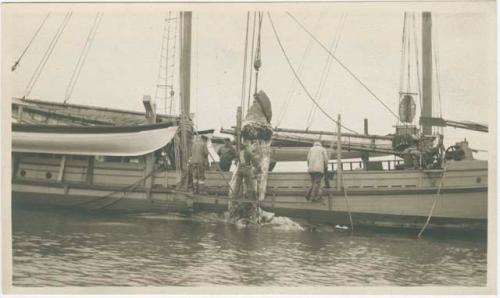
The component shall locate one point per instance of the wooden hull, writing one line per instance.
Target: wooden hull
(399, 199)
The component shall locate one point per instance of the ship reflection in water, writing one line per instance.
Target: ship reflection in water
(73, 249)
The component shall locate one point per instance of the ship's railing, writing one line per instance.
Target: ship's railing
(387, 165)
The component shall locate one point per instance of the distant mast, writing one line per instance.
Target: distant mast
(426, 71)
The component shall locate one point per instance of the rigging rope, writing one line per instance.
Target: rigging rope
(165, 78)
(435, 46)
(326, 71)
(82, 58)
(16, 64)
(47, 54)
(293, 85)
(403, 53)
(158, 79)
(245, 62)
(408, 84)
(298, 78)
(344, 66)
(172, 66)
(417, 63)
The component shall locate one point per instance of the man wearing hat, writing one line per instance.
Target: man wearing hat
(317, 162)
(199, 159)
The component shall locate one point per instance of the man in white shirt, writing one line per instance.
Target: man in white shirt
(317, 162)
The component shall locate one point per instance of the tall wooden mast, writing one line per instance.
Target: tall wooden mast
(185, 62)
(426, 70)
(185, 85)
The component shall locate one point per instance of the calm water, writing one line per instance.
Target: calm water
(73, 249)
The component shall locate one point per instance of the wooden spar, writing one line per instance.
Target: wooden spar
(339, 155)
(282, 140)
(328, 133)
(426, 70)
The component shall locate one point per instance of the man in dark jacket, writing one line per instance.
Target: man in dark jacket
(227, 154)
(245, 173)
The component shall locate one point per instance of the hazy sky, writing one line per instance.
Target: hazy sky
(123, 62)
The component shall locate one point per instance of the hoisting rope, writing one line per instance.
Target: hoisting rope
(82, 58)
(257, 63)
(299, 80)
(438, 194)
(252, 57)
(47, 54)
(16, 64)
(326, 70)
(245, 62)
(344, 66)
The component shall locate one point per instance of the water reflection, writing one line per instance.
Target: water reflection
(73, 249)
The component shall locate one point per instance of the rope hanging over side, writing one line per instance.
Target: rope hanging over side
(83, 57)
(344, 66)
(124, 191)
(47, 54)
(16, 64)
(299, 80)
(434, 203)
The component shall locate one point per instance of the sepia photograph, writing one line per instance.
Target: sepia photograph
(335, 147)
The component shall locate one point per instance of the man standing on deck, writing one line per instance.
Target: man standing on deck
(317, 162)
(199, 159)
(227, 154)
